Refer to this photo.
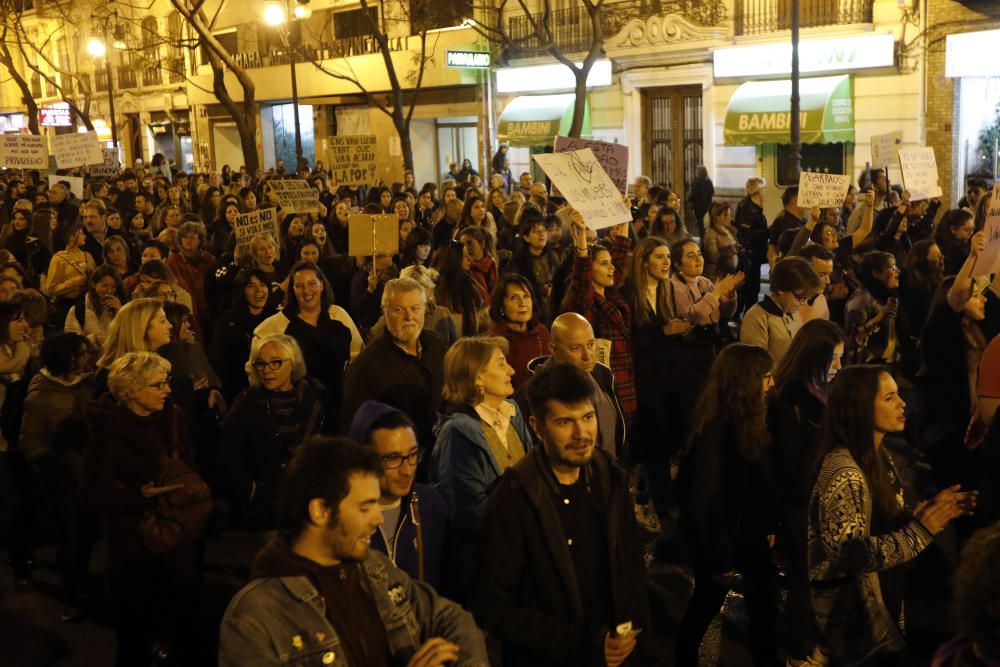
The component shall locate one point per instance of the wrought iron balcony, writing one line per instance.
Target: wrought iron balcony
(571, 28)
(757, 17)
(126, 77)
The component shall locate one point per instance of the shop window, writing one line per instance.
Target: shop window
(827, 158)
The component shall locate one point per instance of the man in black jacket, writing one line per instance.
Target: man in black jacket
(403, 368)
(561, 579)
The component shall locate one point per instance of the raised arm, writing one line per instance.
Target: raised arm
(961, 289)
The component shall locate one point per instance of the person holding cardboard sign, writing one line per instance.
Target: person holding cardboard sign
(593, 294)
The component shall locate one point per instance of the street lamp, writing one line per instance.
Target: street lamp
(97, 48)
(276, 14)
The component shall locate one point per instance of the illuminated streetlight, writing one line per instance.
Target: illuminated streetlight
(96, 48)
(302, 12)
(274, 14)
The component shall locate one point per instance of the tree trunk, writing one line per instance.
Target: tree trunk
(241, 113)
(15, 73)
(580, 101)
(405, 144)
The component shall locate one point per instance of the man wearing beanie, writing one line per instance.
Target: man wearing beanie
(414, 530)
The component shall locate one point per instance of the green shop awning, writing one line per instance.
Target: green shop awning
(759, 112)
(535, 120)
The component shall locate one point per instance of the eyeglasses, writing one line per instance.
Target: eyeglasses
(165, 382)
(395, 461)
(273, 364)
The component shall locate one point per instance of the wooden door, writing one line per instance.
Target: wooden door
(673, 138)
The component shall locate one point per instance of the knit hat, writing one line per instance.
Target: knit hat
(369, 413)
(989, 370)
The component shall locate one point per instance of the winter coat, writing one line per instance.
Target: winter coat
(278, 322)
(230, 351)
(431, 519)
(845, 560)
(124, 452)
(526, 592)
(53, 421)
(384, 372)
(464, 471)
(251, 456)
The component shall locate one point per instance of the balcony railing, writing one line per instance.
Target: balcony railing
(126, 77)
(571, 28)
(756, 17)
(152, 76)
(335, 48)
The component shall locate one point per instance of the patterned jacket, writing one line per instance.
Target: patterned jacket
(845, 559)
(611, 318)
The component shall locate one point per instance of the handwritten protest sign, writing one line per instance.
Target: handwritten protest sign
(76, 150)
(920, 174)
(884, 147)
(352, 159)
(613, 157)
(109, 168)
(295, 196)
(988, 260)
(369, 235)
(823, 190)
(23, 151)
(75, 183)
(261, 221)
(586, 186)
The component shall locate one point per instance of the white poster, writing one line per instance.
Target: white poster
(295, 195)
(109, 168)
(75, 183)
(23, 151)
(263, 220)
(613, 157)
(823, 190)
(884, 147)
(352, 160)
(920, 174)
(586, 186)
(76, 150)
(988, 260)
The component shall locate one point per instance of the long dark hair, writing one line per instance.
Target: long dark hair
(733, 394)
(456, 289)
(849, 422)
(920, 273)
(291, 308)
(808, 357)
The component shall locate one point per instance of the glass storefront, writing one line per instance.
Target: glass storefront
(278, 134)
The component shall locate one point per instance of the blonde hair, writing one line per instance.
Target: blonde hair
(131, 372)
(463, 363)
(755, 184)
(127, 331)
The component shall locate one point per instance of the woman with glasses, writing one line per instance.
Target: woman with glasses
(140, 326)
(878, 330)
(772, 323)
(481, 435)
(133, 429)
(310, 317)
(281, 408)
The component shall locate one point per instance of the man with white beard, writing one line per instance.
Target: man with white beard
(404, 367)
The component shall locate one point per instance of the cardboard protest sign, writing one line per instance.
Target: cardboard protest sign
(76, 150)
(920, 174)
(613, 157)
(352, 159)
(75, 183)
(23, 151)
(261, 221)
(823, 190)
(586, 186)
(369, 235)
(295, 195)
(988, 260)
(884, 147)
(108, 168)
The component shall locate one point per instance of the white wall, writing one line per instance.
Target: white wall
(423, 140)
(227, 146)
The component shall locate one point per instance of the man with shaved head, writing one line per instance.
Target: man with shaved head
(571, 340)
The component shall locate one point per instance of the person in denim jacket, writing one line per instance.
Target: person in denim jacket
(321, 596)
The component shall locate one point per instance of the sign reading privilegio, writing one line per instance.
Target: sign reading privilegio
(468, 59)
(23, 151)
(586, 186)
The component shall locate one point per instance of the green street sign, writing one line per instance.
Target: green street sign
(468, 59)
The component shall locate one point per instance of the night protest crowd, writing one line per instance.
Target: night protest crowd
(473, 451)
